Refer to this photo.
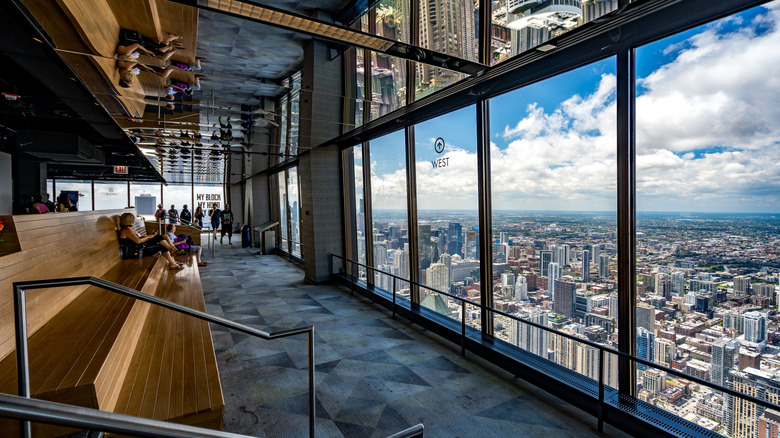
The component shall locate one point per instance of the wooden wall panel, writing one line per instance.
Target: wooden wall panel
(54, 245)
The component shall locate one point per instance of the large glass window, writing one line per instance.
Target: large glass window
(359, 213)
(554, 195)
(180, 194)
(446, 26)
(80, 192)
(295, 104)
(388, 84)
(520, 25)
(145, 197)
(284, 122)
(293, 204)
(447, 211)
(110, 195)
(360, 90)
(390, 234)
(707, 199)
(283, 221)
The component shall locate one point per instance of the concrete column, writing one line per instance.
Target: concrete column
(29, 178)
(319, 170)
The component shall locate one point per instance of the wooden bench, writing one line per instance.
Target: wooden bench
(94, 351)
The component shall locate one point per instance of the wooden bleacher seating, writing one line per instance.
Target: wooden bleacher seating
(93, 350)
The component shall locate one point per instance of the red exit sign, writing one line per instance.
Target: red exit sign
(121, 170)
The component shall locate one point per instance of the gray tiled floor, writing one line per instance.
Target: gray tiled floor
(375, 375)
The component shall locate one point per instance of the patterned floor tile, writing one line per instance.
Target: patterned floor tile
(375, 375)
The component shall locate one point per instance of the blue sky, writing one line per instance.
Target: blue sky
(707, 132)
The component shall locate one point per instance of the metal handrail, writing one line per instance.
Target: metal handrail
(48, 412)
(415, 431)
(20, 321)
(602, 349)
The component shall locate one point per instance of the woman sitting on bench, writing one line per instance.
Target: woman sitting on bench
(128, 237)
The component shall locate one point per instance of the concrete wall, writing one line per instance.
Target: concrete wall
(6, 185)
(321, 212)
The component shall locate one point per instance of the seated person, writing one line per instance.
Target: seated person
(145, 245)
(182, 240)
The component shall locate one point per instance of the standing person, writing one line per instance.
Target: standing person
(199, 216)
(227, 224)
(215, 215)
(159, 215)
(173, 215)
(185, 216)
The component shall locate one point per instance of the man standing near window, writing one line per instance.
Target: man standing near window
(173, 215)
(185, 216)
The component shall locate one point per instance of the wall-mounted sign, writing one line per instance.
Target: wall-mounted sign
(120, 170)
(206, 201)
(439, 146)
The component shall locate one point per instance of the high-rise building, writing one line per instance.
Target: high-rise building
(724, 353)
(424, 245)
(554, 273)
(613, 305)
(734, 320)
(645, 316)
(595, 254)
(604, 265)
(586, 266)
(678, 282)
(455, 239)
(663, 285)
(665, 352)
(446, 26)
(742, 416)
(528, 337)
(437, 276)
(563, 297)
(741, 285)
(521, 289)
(707, 286)
(545, 258)
(654, 381)
(755, 326)
(645, 346)
(764, 290)
(592, 9)
(540, 21)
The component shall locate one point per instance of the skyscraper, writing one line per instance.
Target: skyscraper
(742, 285)
(554, 272)
(545, 258)
(755, 326)
(521, 289)
(678, 282)
(764, 290)
(446, 26)
(586, 266)
(424, 245)
(604, 265)
(645, 345)
(663, 285)
(527, 337)
(438, 277)
(741, 415)
(563, 297)
(645, 316)
(724, 354)
(455, 239)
